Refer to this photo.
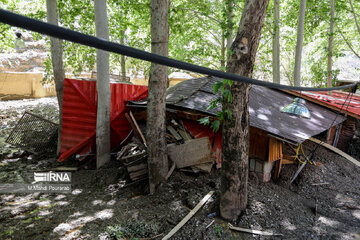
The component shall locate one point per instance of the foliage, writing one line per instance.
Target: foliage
(131, 230)
(224, 96)
(198, 33)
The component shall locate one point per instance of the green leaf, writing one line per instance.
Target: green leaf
(217, 86)
(215, 125)
(204, 121)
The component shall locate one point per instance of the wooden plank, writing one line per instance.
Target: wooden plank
(187, 217)
(136, 132)
(288, 160)
(257, 232)
(170, 171)
(184, 135)
(137, 167)
(275, 150)
(336, 150)
(136, 174)
(205, 167)
(174, 133)
(192, 152)
(138, 128)
(277, 169)
(133, 157)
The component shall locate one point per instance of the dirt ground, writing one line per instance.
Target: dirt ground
(102, 206)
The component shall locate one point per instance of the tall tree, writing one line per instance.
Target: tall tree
(103, 88)
(276, 43)
(299, 43)
(235, 139)
(230, 29)
(156, 127)
(330, 46)
(57, 62)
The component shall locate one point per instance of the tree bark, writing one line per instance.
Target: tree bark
(330, 46)
(57, 63)
(103, 88)
(299, 43)
(276, 43)
(156, 127)
(230, 36)
(122, 57)
(235, 139)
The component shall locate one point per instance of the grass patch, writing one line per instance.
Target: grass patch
(131, 230)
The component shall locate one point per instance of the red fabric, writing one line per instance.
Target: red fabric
(80, 110)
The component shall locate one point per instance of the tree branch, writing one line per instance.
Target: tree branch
(347, 42)
(353, 12)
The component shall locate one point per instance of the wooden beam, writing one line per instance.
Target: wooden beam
(277, 169)
(174, 133)
(184, 134)
(336, 150)
(258, 232)
(187, 217)
(135, 127)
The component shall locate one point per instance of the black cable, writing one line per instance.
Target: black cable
(73, 36)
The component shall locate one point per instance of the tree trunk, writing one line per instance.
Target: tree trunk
(57, 63)
(299, 43)
(122, 57)
(330, 46)
(235, 139)
(230, 36)
(156, 128)
(223, 50)
(103, 88)
(276, 43)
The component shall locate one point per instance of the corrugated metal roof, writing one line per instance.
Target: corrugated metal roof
(265, 109)
(336, 99)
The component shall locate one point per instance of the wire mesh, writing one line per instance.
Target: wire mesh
(34, 134)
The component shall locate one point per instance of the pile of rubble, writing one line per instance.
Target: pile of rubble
(184, 151)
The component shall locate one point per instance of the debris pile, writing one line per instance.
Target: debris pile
(184, 151)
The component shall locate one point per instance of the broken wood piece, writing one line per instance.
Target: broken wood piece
(134, 157)
(184, 134)
(135, 127)
(192, 152)
(257, 232)
(138, 128)
(288, 160)
(204, 167)
(137, 174)
(187, 217)
(170, 171)
(174, 133)
(210, 224)
(137, 167)
(278, 169)
(336, 150)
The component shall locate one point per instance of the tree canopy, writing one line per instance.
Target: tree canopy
(199, 32)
